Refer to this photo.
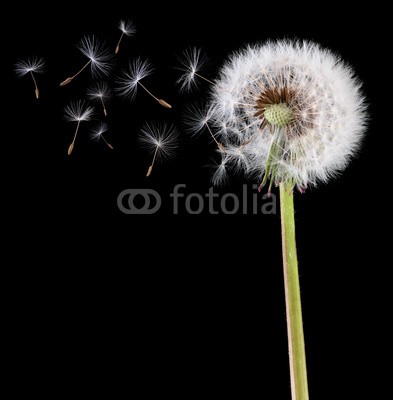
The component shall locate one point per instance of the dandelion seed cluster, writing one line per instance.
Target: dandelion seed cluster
(291, 110)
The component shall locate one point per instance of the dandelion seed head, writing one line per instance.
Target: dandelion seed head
(97, 53)
(160, 137)
(127, 83)
(191, 62)
(297, 97)
(78, 111)
(127, 27)
(30, 64)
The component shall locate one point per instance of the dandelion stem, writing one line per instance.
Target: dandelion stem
(107, 143)
(297, 355)
(68, 80)
(220, 146)
(103, 106)
(118, 43)
(73, 141)
(149, 171)
(162, 102)
(202, 77)
(37, 92)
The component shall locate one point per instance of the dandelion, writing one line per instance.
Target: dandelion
(101, 92)
(77, 111)
(294, 115)
(197, 120)
(191, 63)
(127, 28)
(98, 55)
(161, 140)
(31, 65)
(131, 77)
(98, 133)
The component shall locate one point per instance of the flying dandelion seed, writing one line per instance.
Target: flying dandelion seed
(77, 111)
(291, 113)
(161, 140)
(98, 55)
(101, 92)
(31, 65)
(131, 77)
(128, 29)
(98, 133)
(191, 63)
(196, 118)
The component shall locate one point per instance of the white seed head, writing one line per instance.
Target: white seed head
(293, 107)
(161, 137)
(127, 27)
(137, 70)
(196, 118)
(30, 64)
(191, 63)
(99, 91)
(77, 111)
(98, 130)
(97, 53)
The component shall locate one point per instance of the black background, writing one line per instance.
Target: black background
(182, 305)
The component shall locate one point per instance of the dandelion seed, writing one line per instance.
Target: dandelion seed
(220, 175)
(101, 92)
(191, 63)
(77, 111)
(128, 29)
(161, 140)
(131, 77)
(32, 65)
(98, 55)
(197, 119)
(98, 133)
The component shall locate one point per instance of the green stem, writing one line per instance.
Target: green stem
(297, 355)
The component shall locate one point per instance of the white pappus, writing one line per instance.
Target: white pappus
(132, 76)
(197, 118)
(77, 111)
(98, 131)
(31, 65)
(293, 112)
(127, 29)
(100, 91)
(98, 55)
(191, 62)
(160, 139)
